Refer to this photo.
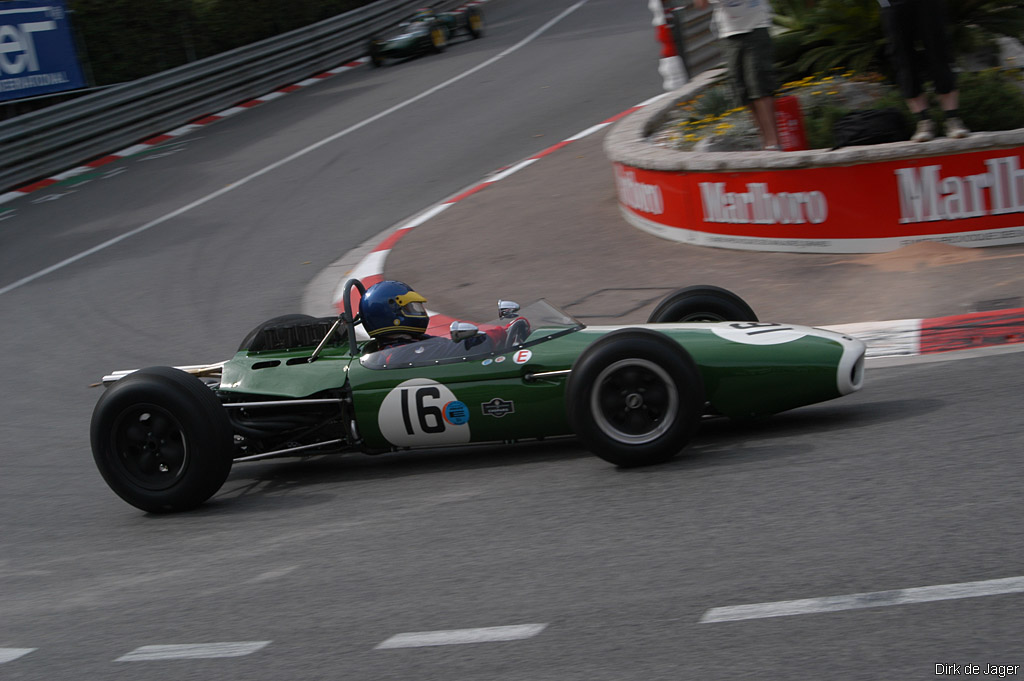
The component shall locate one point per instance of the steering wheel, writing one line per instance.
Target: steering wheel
(517, 332)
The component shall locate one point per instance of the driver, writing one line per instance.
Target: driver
(393, 314)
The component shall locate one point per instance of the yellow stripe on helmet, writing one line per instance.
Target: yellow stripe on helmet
(410, 297)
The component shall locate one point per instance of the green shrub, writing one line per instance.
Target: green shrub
(129, 39)
(992, 100)
(814, 35)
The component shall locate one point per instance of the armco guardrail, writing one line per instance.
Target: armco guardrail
(700, 50)
(48, 141)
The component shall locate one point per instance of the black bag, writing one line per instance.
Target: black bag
(871, 126)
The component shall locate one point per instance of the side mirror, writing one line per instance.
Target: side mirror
(507, 309)
(460, 331)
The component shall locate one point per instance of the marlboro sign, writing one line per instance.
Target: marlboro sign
(970, 199)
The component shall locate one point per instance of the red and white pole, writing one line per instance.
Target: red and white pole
(671, 68)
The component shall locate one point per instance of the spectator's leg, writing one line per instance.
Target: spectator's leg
(760, 78)
(935, 37)
(900, 30)
(763, 110)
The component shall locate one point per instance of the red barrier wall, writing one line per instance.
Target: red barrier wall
(969, 199)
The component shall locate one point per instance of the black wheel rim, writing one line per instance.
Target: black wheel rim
(149, 446)
(634, 401)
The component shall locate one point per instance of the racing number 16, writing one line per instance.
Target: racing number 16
(429, 417)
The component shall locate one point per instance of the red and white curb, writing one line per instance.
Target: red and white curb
(370, 269)
(178, 132)
(895, 338)
(930, 336)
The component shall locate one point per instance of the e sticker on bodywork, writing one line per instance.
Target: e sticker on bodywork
(758, 333)
(522, 356)
(422, 412)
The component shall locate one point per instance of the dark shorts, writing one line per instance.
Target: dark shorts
(749, 58)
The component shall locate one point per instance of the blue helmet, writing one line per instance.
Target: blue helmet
(392, 307)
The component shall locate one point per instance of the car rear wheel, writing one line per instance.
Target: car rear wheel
(702, 304)
(475, 23)
(438, 37)
(375, 57)
(162, 440)
(635, 398)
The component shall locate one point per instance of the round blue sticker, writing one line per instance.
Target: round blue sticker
(456, 413)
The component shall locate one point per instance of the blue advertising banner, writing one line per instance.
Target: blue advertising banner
(37, 52)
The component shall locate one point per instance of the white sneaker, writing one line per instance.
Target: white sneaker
(925, 131)
(956, 129)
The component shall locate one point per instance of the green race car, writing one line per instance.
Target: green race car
(426, 31)
(166, 438)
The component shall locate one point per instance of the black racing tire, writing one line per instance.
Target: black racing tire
(438, 37)
(635, 397)
(373, 50)
(474, 23)
(702, 304)
(254, 340)
(162, 440)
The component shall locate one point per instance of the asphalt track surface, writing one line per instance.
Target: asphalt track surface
(315, 569)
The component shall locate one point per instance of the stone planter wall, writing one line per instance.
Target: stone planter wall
(865, 199)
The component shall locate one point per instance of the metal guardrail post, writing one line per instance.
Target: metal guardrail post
(695, 41)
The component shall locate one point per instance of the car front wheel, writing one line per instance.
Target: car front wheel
(162, 440)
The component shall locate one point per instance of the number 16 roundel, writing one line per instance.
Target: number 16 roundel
(421, 412)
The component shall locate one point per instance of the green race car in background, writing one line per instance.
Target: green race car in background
(426, 31)
(166, 438)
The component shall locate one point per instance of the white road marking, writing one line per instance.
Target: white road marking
(193, 651)
(589, 131)
(497, 177)
(9, 654)
(374, 264)
(71, 173)
(132, 150)
(420, 639)
(288, 159)
(231, 111)
(272, 574)
(872, 599)
(425, 215)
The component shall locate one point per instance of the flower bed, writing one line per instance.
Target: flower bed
(708, 121)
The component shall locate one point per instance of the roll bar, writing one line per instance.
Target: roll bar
(346, 318)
